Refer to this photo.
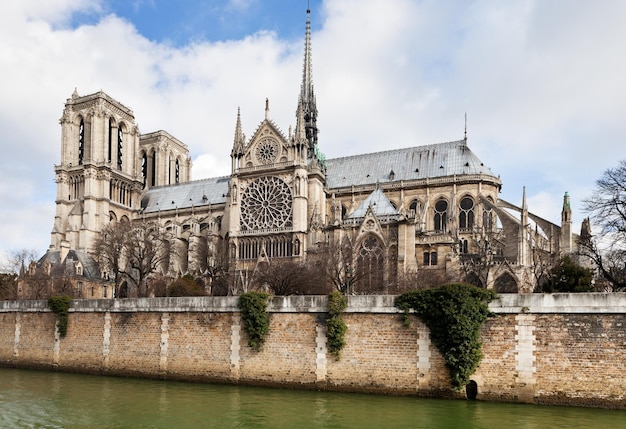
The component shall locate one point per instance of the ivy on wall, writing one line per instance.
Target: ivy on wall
(454, 315)
(335, 326)
(60, 306)
(256, 319)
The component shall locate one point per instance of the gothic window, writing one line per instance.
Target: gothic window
(177, 173)
(505, 284)
(370, 263)
(430, 258)
(81, 142)
(153, 173)
(488, 219)
(267, 151)
(120, 142)
(463, 246)
(144, 169)
(266, 204)
(441, 218)
(415, 208)
(466, 213)
(296, 247)
(110, 150)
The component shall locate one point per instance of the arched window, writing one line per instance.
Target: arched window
(466, 213)
(488, 218)
(505, 284)
(81, 141)
(177, 173)
(120, 142)
(463, 246)
(153, 169)
(441, 216)
(144, 169)
(110, 149)
(430, 258)
(370, 263)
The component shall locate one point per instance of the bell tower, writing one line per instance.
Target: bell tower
(99, 178)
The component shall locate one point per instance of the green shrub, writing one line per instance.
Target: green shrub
(454, 315)
(256, 320)
(335, 326)
(60, 306)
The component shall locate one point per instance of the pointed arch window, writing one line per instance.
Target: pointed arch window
(153, 169)
(370, 264)
(488, 219)
(441, 215)
(463, 246)
(144, 169)
(110, 146)
(466, 213)
(177, 172)
(81, 141)
(120, 146)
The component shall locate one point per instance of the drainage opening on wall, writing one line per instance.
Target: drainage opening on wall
(471, 390)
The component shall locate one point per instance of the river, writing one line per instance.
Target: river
(38, 399)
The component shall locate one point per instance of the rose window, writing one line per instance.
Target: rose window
(266, 203)
(267, 151)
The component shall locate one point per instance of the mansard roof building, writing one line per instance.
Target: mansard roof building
(432, 207)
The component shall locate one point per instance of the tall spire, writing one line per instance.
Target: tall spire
(306, 101)
(239, 139)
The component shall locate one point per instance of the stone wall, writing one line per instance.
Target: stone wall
(556, 349)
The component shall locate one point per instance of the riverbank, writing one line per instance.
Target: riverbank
(564, 349)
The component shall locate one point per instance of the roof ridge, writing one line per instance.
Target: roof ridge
(205, 179)
(396, 150)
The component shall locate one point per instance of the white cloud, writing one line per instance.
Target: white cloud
(542, 82)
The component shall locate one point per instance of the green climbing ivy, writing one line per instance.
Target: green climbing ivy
(335, 326)
(256, 319)
(454, 315)
(60, 306)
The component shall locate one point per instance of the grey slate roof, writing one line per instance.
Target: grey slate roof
(380, 206)
(430, 161)
(436, 160)
(198, 193)
(90, 266)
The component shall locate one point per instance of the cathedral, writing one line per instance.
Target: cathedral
(391, 214)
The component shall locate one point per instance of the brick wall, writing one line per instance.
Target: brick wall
(539, 348)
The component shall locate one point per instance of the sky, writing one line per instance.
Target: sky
(541, 82)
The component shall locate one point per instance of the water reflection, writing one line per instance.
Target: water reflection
(32, 399)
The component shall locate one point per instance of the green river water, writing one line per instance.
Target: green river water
(37, 399)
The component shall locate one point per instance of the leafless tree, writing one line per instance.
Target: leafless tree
(110, 247)
(8, 286)
(423, 278)
(132, 251)
(607, 211)
(335, 265)
(287, 277)
(18, 258)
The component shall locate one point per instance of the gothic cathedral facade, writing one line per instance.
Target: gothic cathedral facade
(433, 207)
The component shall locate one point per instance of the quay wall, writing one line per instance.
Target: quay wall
(540, 348)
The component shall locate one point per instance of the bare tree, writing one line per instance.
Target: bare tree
(8, 286)
(335, 265)
(287, 277)
(146, 250)
(110, 246)
(132, 251)
(18, 259)
(607, 210)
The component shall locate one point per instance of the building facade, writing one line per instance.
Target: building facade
(391, 214)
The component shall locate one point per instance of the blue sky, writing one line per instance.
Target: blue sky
(542, 83)
(187, 21)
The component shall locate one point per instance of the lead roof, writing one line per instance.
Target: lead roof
(414, 163)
